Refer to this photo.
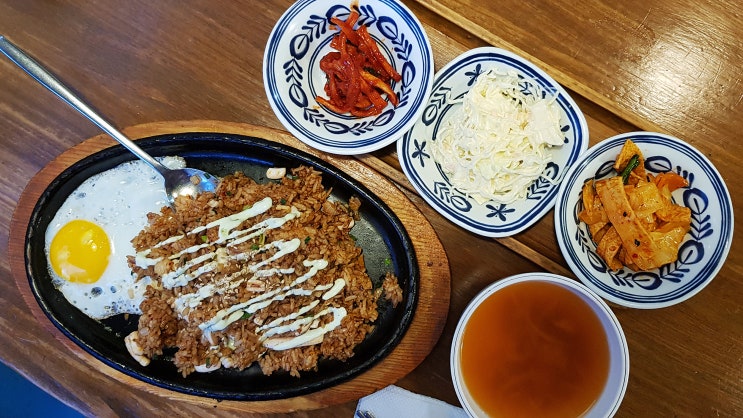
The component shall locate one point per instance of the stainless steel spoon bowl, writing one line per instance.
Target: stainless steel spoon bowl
(178, 182)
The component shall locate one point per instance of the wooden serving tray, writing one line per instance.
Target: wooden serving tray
(435, 275)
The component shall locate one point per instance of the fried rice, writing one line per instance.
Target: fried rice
(265, 273)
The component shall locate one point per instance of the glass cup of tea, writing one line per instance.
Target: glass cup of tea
(539, 345)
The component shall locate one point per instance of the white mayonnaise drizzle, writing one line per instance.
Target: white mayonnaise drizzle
(301, 326)
(232, 281)
(210, 261)
(298, 341)
(333, 292)
(231, 222)
(225, 317)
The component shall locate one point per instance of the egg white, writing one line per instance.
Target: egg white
(118, 200)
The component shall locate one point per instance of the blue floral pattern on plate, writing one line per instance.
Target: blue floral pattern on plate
(702, 253)
(489, 218)
(292, 76)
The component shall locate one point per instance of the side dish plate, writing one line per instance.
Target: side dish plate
(703, 251)
(293, 79)
(488, 219)
(385, 242)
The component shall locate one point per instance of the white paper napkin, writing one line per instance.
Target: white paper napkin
(396, 402)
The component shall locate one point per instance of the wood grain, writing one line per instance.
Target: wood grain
(663, 65)
(424, 331)
(667, 65)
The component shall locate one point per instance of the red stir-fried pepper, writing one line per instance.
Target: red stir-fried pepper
(358, 76)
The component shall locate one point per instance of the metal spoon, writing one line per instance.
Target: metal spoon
(178, 182)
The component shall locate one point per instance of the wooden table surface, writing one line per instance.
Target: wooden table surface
(671, 66)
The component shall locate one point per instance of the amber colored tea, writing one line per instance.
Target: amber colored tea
(534, 349)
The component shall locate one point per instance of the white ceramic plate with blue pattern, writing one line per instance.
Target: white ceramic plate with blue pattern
(703, 251)
(293, 79)
(489, 218)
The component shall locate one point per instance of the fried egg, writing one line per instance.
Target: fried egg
(88, 240)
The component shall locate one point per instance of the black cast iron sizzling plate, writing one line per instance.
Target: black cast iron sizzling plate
(380, 233)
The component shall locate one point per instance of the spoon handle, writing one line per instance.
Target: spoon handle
(48, 80)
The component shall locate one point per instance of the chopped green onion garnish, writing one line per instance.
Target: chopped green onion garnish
(633, 162)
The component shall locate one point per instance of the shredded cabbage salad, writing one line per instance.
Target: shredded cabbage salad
(497, 142)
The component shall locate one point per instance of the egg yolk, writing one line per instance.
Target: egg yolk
(79, 252)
